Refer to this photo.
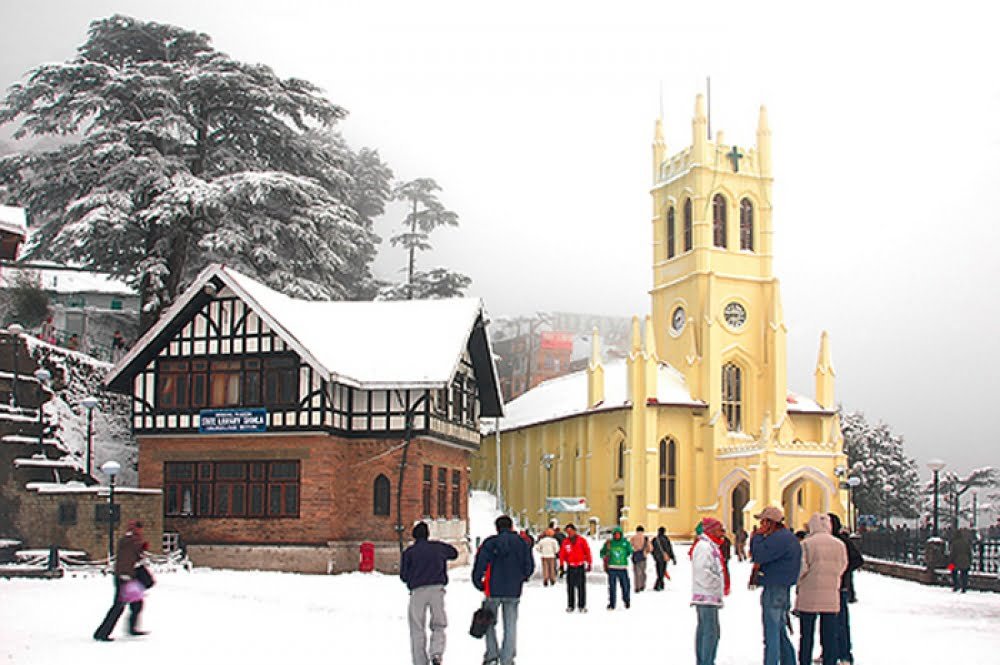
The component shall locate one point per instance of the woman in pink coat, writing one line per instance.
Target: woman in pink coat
(824, 560)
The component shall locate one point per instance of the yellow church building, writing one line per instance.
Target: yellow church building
(698, 420)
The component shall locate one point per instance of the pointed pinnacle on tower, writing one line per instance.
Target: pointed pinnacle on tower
(764, 142)
(595, 348)
(824, 373)
(699, 126)
(659, 149)
(649, 339)
(636, 336)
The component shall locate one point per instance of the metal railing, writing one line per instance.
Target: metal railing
(908, 546)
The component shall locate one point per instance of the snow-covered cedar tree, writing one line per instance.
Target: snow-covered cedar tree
(26, 302)
(175, 155)
(890, 482)
(435, 283)
(425, 214)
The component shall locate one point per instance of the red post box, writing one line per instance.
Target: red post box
(367, 563)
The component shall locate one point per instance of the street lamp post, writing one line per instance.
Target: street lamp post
(111, 469)
(853, 482)
(547, 460)
(44, 376)
(90, 403)
(935, 465)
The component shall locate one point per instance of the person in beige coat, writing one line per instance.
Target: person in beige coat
(824, 560)
(548, 549)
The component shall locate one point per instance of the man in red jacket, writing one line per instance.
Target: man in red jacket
(574, 557)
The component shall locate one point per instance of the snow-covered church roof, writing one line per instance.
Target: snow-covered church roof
(365, 344)
(566, 396)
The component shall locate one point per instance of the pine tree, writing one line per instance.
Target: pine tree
(890, 482)
(426, 214)
(952, 487)
(179, 155)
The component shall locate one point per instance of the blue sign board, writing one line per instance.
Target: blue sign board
(232, 421)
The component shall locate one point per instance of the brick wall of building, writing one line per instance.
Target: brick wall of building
(336, 512)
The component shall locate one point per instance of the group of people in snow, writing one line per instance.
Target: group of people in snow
(819, 567)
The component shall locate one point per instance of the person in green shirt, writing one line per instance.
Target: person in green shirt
(616, 554)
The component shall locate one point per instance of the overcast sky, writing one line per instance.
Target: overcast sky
(536, 118)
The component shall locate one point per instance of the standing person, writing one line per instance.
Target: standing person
(424, 568)
(503, 564)
(641, 547)
(575, 559)
(854, 561)
(960, 558)
(548, 549)
(708, 587)
(131, 547)
(777, 553)
(662, 550)
(740, 538)
(824, 561)
(616, 553)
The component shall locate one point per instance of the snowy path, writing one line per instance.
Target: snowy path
(228, 617)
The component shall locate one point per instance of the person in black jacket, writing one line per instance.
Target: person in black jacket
(424, 568)
(854, 561)
(503, 564)
(662, 550)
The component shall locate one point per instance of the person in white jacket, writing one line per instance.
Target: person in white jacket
(548, 548)
(708, 587)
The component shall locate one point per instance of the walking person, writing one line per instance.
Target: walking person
(709, 584)
(824, 561)
(854, 561)
(131, 548)
(960, 560)
(503, 564)
(548, 549)
(616, 553)
(776, 552)
(741, 543)
(641, 548)
(424, 568)
(662, 551)
(575, 559)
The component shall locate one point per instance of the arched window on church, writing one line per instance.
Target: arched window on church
(620, 463)
(746, 225)
(671, 232)
(668, 473)
(719, 220)
(381, 495)
(732, 396)
(688, 224)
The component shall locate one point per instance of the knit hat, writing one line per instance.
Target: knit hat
(421, 531)
(709, 523)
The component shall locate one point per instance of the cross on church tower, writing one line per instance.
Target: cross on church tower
(736, 156)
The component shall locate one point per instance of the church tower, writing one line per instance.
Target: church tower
(715, 301)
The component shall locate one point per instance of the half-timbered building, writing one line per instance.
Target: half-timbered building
(286, 432)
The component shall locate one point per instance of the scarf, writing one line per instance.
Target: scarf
(722, 561)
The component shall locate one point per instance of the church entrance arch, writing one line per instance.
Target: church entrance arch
(734, 499)
(804, 492)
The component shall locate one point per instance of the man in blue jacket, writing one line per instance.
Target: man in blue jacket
(503, 564)
(424, 568)
(776, 551)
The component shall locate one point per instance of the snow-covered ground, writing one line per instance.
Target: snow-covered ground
(212, 616)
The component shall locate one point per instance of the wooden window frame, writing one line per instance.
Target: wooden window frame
(688, 226)
(668, 473)
(456, 494)
(671, 233)
(732, 396)
(427, 490)
(442, 492)
(230, 495)
(381, 496)
(746, 225)
(719, 223)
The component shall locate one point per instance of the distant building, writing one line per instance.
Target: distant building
(13, 232)
(278, 427)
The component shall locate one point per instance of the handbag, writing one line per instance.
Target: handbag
(131, 592)
(144, 576)
(482, 619)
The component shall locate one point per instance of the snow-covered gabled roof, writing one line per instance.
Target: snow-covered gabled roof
(365, 344)
(566, 396)
(12, 220)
